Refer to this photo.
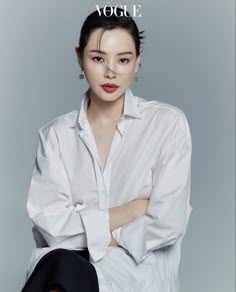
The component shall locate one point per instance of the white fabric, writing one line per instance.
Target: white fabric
(70, 195)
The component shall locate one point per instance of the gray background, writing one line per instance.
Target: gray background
(188, 61)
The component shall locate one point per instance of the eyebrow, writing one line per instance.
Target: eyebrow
(104, 53)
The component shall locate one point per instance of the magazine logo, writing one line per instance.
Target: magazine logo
(135, 10)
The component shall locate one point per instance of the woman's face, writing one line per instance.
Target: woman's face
(117, 53)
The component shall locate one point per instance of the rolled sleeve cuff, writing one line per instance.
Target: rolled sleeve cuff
(131, 239)
(116, 235)
(96, 223)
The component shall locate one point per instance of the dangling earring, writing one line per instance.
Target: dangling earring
(81, 76)
(135, 77)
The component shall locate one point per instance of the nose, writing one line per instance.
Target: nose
(109, 73)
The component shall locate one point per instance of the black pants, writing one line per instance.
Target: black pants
(68, 270)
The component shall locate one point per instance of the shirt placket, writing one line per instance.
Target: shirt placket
(106, 175)
(103, 178)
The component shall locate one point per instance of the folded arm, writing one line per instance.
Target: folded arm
(168, 211)
(124, 214)
(57, 221)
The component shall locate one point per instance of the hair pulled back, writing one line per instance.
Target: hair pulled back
(98, 20)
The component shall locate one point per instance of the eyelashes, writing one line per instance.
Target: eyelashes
(98, 59)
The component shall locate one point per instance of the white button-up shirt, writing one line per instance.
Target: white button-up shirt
(70, 194)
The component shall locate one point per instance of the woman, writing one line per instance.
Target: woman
(109, 195)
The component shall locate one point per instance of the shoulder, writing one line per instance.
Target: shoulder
(56, 130)
(161, 111)
(165, 117)
(60, 123)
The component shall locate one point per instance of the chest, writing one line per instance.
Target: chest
(107, 166)
(103, 137)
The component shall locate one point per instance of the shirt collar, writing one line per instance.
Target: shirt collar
(131, 105)
(130, 109)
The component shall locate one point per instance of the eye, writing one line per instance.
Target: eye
(124, 60)
(97, 59)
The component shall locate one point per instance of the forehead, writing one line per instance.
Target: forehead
(111, 40)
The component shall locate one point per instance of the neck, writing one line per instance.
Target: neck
(104, 112)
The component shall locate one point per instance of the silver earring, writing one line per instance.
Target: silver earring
(81, 76)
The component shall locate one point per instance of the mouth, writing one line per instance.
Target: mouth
(109, 87)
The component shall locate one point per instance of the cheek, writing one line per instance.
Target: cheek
(92, 72)
(128, 74)
(131, 69)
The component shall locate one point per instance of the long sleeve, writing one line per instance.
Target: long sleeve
(50, 205)
(169, 209)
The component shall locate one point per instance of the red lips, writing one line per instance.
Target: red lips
(109, 87)
(113, 85)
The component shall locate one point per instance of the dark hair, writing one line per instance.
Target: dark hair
(99, 20)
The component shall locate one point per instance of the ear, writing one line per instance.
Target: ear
(138, 60)
(79, 59)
